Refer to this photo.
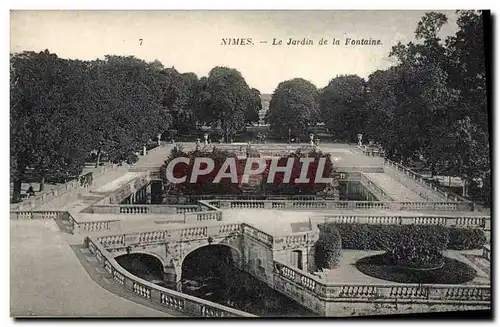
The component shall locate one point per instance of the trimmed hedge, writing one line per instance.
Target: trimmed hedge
(466, 239)
(385, 237)
(328, 248)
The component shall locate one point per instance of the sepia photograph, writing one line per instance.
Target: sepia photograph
(250, 164)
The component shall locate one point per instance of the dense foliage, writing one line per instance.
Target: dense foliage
(328, 248)
(466, 239)
(293, 107)
(430, 105)
(62, 110)
(383, 237)
(451, 272)
(226, 102)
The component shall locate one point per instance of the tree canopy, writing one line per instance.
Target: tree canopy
(293, 106)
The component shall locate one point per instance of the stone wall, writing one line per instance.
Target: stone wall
(350, 309)
(258, 260)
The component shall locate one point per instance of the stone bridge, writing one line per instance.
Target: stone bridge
(280, 262)
(252, 250)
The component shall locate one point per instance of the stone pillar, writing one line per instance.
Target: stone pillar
(148, 194)
(171, 279)
(144, 151)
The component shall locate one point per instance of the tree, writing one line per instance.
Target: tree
(178, 98)
(223, 100)
(130, 100)
(341, 106)
(61, 110)
(254, 107)
(433, 102)
(294, 105)
(328, 248)
(45, 117)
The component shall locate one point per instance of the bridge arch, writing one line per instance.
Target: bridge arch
(147, 253)
(235, 252)
(146, 265)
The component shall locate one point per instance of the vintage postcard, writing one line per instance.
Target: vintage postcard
(250, 163)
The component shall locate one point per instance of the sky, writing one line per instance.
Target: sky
(191, 41)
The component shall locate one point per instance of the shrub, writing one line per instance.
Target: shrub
(132, 159)
(419, 246)
(407, 245)
(378, 237)
(466, 239)
(328, 248)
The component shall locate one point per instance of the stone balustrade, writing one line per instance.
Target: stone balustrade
(194, 233)
(194, 217)
(297, 238)
(125, 190)
(207, 206)
(229, 229)
(303, 204)
(58, 191)
(94, 226)
(137, 209)
(257, 235)
(407, 174)
(389, 293)
(374, 188)
(330, 204)
(28, 215)
(49, 195)
(482, 222)
(171, 299)
(412, 293)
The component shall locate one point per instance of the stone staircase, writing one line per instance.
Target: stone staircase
(393, 188)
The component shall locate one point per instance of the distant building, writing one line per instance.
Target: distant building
(265, 98)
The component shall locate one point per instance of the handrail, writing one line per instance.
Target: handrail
(166, 297)
(135, 183)
(418, 178)
(481, 222)
(374, 188)
(57, 191)
(145, 208)
(342, 205)
(368, 292)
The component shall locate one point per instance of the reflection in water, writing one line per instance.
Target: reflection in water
(209, 273)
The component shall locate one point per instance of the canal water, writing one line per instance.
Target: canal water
(209, 274)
